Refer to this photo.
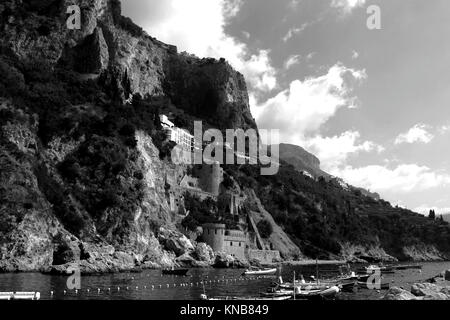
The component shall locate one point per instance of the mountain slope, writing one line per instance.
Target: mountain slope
(302, 160)
(84, 175)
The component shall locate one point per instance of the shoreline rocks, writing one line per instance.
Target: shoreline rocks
(419, 291)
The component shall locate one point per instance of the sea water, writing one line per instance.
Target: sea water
(151, 285)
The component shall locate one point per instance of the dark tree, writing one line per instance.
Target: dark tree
(265, 229)
(432, 215)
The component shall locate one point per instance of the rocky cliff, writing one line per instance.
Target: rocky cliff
(72, 193)
(124, 57)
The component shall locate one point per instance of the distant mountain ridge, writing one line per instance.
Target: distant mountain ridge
(306, 162)
(302, 160)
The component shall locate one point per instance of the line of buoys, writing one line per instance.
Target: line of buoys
(208, 280)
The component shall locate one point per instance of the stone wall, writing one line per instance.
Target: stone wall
(235, 242)
(264, 256)
(235, 248)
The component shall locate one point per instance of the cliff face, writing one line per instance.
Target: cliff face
(209, 89)
(72, 193)
(111, 47)
(46, 221)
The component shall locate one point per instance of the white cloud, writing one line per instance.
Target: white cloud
(444, 129)
(347, 5)
(334, 151)
(418, 133)
(294, 31)
(258, 71)
(292, 60)
(294, 4)
(355, 55)
(307, 105)
(404, 178)
(198, 27)
(310, 55)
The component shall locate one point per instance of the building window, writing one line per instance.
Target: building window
(240, 244)
(231, 244)
(215, 231)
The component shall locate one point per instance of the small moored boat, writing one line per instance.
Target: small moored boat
(260, 272)
(20, 295)
(381, 286)
(326, 294)
(280, 298)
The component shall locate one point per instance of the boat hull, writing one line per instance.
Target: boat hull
(266, 272)
(267, 298)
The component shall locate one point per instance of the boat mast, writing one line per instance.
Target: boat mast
(317, 271)
(294, 285)
(204, 290)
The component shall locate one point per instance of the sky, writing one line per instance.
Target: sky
(372, 104)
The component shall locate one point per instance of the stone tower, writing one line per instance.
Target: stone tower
(214, 235)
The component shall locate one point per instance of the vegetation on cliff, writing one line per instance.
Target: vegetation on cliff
(321, 215)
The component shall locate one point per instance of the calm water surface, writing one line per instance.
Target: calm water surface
(219, 282)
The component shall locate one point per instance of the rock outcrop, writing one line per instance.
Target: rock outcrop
(422, 252)
(419, 291)
(278, 240)
(47, 219)
(396, 293)
(363, 254)
(126, 58)
(39, 231)
(224, 260)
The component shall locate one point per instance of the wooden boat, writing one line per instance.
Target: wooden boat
(306, 286)
(303, 285)
(231, 298)
(349, 277)
(383, 286)
(363, 278)
(374, 268)
(175, 272)
(273, 293)
(20, 295)
(348, 286)
(326, 294)
(260, 272)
